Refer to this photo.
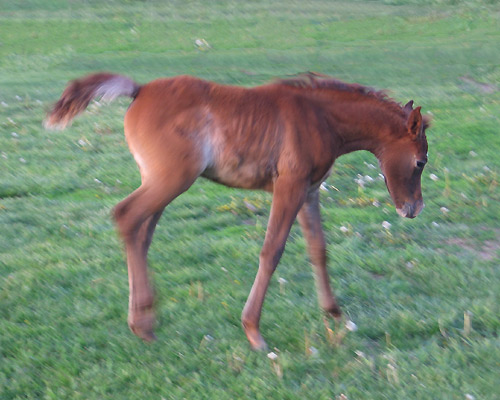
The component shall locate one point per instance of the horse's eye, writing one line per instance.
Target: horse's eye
(421, 164)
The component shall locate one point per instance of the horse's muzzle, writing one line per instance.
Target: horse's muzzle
(411, 210)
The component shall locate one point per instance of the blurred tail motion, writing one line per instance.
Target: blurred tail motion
(81, 92)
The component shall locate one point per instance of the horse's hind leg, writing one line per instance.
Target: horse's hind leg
(310, 221)
(145, 235)
(136, 218)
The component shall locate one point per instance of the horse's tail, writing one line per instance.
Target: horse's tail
(80, 92)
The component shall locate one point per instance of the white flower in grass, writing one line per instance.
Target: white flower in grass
(18, 98)
(97, 180)
(386, 225)
(202, 44)
(14, 134)
(272, 356)
(344, 229)
(435, 224)
(313, 351)
(360, 354)
(323, 187)
(469, 397)
(444, 210)
(249, 206)
(4, 104)
(351, 326)
(360, 181)
(282, 282)
(368, 178)
(434, 177)
(22, 160)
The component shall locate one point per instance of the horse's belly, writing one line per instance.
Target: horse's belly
(245, 175)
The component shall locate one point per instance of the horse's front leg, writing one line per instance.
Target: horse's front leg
(310, 221)
(289, 194)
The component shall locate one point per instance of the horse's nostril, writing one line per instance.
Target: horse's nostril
(410, 210)
(415, 208)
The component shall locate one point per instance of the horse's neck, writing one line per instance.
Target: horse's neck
(362, 128)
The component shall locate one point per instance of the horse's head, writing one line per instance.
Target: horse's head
(402, 161)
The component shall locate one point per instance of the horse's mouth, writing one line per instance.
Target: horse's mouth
(410, 210)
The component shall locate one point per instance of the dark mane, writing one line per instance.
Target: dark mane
(313, 80)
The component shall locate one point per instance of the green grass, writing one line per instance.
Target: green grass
(63, 283)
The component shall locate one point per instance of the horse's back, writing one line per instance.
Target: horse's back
(241, 137)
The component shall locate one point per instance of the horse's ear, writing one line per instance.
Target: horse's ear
(414, 123)
(409, 106)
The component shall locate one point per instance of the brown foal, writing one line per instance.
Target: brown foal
(282, 137)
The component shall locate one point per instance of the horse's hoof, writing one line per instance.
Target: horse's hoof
(260, 347)
(142, 326)
(257, 343)
(335, 312)
(147, 336)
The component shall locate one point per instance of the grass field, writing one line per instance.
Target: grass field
(424, 293)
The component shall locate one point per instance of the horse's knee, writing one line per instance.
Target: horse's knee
(123, 219)
(270, 256)
(318, 255)
(118, 211)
